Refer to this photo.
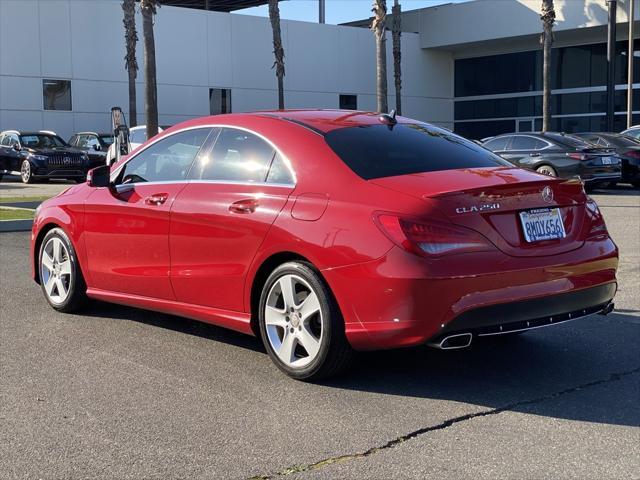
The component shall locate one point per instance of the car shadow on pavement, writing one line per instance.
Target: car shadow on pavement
(515, 373)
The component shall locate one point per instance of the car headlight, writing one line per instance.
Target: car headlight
(40, 158)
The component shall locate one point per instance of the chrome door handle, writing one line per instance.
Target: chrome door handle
(248, 205)
(156, 199)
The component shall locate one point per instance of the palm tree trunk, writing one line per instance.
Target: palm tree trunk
(148, 8)
(131, 63)
(548, 16)
(379, 30)
(397, 53)
(278, 51)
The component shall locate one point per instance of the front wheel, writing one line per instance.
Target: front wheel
(547, 170)
(25, 172)
(301, 325)
(60, 275)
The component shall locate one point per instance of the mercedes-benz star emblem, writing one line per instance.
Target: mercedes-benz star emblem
(547, 194)
(66, 160)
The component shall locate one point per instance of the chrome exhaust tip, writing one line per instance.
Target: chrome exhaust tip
(453, 342)
(607, 309)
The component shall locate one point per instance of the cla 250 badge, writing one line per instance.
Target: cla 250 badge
(483, 207)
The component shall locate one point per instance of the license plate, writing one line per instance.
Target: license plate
(607, 160)
(542, 224)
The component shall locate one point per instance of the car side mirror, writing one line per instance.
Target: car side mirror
(99, 176)
(17, 147)
(97, 147)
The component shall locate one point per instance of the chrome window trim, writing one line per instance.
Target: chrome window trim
(286, 160)
(123, 187)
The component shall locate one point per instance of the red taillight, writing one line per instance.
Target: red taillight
(597, 225)
(428, 238)
(580, 156)
(633, 154)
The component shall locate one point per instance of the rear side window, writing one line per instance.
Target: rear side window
(376, 151)
(238, 156)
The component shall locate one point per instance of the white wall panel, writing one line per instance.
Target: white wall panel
(20, 120)
(183, 100)
(219, 60)
(99, 97)
(21, 93)
(55, 38)
(181, 46)
(60, 122)
(19, 37)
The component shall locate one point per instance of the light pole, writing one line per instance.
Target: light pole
(611, 63)
(321, 11)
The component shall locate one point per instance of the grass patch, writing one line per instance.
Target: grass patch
(33, 198)
(15, 214)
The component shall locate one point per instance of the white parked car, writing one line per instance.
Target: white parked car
(137, 136)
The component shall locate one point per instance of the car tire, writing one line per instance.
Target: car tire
(547, 170)
(26, 174)
(301, 325)
(61, 278)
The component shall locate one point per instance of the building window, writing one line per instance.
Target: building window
(348, 102)
(56, 94)
(219, 101)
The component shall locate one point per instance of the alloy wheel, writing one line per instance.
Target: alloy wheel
(55, 270)
(294, 321)
(546, 170)
(25, 171)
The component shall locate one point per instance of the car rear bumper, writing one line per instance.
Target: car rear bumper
(403, 300)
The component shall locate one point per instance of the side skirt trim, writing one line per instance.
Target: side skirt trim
(238, 321)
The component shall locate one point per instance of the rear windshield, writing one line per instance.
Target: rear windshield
(569, 141)
(376, 151)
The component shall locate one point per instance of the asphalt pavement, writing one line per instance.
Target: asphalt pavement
(123, 393)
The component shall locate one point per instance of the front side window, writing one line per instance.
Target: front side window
(375, 151)
(237, 156)
(56, 94)
(138, 136)
(167, 160)
(527, 143)
(497, 144)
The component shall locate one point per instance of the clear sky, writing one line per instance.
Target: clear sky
(336, 11)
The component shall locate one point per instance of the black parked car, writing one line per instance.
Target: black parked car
(95, 144)
(627, 148)
(40, 155)
(558, 155)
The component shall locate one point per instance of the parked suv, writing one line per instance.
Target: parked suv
(558, 155)
(40, 155)
(627, 148)
(95, 144)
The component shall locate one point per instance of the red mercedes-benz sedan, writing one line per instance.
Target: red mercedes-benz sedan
(326, 232)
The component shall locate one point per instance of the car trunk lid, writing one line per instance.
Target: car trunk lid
(490, 200)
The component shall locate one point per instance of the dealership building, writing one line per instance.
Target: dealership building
(475, 67)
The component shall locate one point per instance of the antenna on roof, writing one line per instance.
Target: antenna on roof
(388, 118)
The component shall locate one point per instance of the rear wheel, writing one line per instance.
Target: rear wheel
(25, 172)
(60, 275)
(301, 325)
(547, 170)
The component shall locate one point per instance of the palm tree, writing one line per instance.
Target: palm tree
(397, 53)
(378, 25)
(131, 63)
(548, 16)
(149, 8)
(278, 51)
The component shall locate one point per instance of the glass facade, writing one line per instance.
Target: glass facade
(506, 90)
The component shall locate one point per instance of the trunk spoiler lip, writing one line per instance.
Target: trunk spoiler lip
(551, 181)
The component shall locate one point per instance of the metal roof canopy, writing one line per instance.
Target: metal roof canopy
(215, 5)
